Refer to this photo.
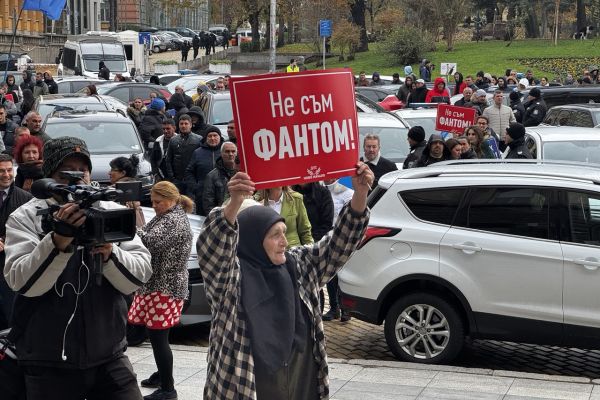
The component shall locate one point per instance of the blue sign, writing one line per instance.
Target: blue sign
(325, 28)
(144, 37)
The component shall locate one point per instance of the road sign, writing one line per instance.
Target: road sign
(447, 68)
(144, 37)
(288, 134)
(325, 28)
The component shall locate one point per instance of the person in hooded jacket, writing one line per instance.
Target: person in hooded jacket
(177, 102)
(28, 82)
(204, 160)
(515, 140)
(417, 143)
(517, 106)
(199, 125)
(439, 93)
(151, 122)
(376, 80)
(215, 184)
(267, 339)
(405, 89)
(13, 88)
(459, 84)
(103, 71)
(419, 94)
(435, 151)
(425, 70)
(51, 83)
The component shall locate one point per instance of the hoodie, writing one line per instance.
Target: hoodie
(459, 84)
(426, 159)
(200, 127)
(376, 80)
(408, 70)
(27, 83)
(438, 96)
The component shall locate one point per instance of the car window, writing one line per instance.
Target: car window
(120, 93)
(587, 151)
(581, 118)
(584, 218)
(367, 103)
(370, 94)
(531, 145)
(101, 137)
(78, 85)
(550, 118)
(141, 91)
(221, 112)
(520, 211)
(64, 87)
(438, 205)
(428, 124)
(394, 143)
(48, 107)
(563, 118)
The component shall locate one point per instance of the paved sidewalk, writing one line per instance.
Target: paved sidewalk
(383, 380)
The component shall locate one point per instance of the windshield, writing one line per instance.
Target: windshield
(394, 143)
(587, 151)
(101, 137)
(222, 112)
(187, 83)
(428, 123)
(111, 53)
(47, 108)
(366, 102)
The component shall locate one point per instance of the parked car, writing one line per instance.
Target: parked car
(128, 91)
(218, 110)
(485, 249)
(582, 115)
(187, 33)
(73, 84)
(175, 38)
(383, 95)
(424, 117)
(366, 105)
(165, 79)
(562, 95)
(108, 134)
(157, 44)
(392, 132)
(47, 104)
(581, 145)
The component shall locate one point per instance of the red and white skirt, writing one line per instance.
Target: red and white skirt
(155, 310)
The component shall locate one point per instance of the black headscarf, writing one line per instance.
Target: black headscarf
(270, 297)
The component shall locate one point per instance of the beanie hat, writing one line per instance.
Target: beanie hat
(535, 92)
(514, 96)
(420, 80)
(515, 130)
(417, 133)
(157, 104)
(56, 150)
(480, 92)
(524, 82)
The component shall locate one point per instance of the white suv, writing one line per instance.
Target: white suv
(503, 250)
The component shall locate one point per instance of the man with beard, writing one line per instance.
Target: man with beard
(417, 143)
(434, 152)
(40, 87)
(515, 140)
(199, 125)
(215, 186)
(405, 89)
(204, 160)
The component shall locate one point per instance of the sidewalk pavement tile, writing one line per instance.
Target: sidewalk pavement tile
(343, 371)
(408, 377)
(335, 385)
(471, 383)
(550, 390)
(351, 395)
(451, 394)
(381, 388)
(595, 393)
(511, 397)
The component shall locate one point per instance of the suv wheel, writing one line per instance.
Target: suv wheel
(424, 328)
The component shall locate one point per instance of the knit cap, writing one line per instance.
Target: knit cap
(157, 104)
(56, 150)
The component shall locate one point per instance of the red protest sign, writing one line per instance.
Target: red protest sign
(295, 128)
(453, 118)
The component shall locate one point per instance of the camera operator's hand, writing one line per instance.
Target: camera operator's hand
(69, 214)
(105, 250)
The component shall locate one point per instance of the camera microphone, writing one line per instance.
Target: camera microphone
(44, 188)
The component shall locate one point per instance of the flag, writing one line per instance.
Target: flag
(51, 8)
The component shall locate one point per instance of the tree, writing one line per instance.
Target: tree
(450, 13)
(357, 11)
(346, 37)
(252, 10)
(581, 19)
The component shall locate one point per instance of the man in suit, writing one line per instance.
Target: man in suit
(11, 198)
(378, 164)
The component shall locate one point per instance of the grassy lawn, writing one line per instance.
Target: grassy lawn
(541, 56)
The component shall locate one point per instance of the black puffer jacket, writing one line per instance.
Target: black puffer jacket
(518, 149)
(7, 132)
(151, 126)
(415, 155)
(179, 154)
(204, 160)
(215, 186)
(319, 207)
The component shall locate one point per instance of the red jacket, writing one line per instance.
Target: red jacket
(435, 95)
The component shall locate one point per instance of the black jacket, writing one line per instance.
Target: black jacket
(203, 160)
(52, 86)
(16, 197)
(427, 160)
(179, 155)
(518, 110)
(151, 126)
(403, 92)
(535, 111)
(7, 131)
(319, 208)
(104, 73)
(201, 128)
(417, 96)
(28, 83)
(415, 155)
(518, 149)
(383, 167)
(215, 186)
(28, 171)
(468, 155)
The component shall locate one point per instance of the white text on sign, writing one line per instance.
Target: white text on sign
(309, 104)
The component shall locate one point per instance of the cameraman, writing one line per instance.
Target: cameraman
(70, 331)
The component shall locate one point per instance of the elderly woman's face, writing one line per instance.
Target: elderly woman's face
(275, 243)
(161, 204)
(30, 153)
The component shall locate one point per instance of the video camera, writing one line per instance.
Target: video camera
(101, 225)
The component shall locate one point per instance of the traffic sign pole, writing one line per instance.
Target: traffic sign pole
(324, 32)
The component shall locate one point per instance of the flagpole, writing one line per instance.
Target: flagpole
(12, 41)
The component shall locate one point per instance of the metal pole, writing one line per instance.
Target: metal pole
(272, 53)
(12, 41)
(556, 23)
(324, 39)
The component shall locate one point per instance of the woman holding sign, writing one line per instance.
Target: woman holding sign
(267, 339)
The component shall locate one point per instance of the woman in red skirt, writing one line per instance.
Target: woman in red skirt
(157, 305)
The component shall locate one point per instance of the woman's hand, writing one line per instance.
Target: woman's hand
(362, 183)
(240, 187)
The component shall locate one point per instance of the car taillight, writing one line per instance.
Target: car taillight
(348, 303)
(375, 232)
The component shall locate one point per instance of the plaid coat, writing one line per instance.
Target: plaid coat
(230, 373)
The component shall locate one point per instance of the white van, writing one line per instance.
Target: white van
(134, 52)
(82, 54)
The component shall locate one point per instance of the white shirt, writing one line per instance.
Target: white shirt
(276, 205)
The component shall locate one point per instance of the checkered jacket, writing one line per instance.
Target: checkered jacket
(230, 372)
